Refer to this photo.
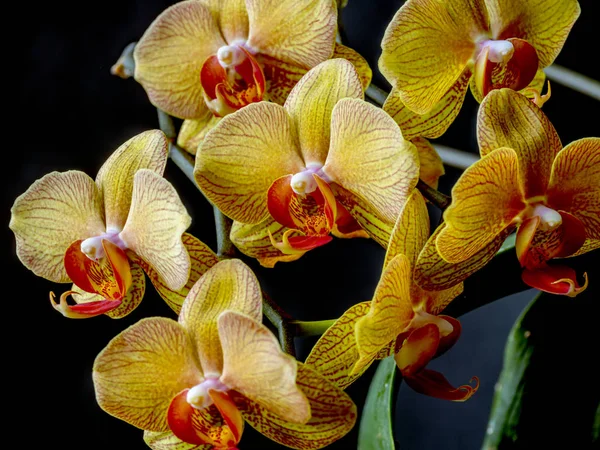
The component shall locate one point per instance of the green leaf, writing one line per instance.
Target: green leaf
(547, 395)
(376, 424)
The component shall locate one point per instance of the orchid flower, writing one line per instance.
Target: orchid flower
(526, 181)
(203, 59)
(192, 383)
(326, 162)
(402, 320)
(432, 50)
(102, 235)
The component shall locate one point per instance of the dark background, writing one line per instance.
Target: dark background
(71, 113)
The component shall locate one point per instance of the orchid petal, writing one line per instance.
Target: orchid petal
(147, 150)
(280, 76)
(509, 119)
(140, 370)
(430, 162)
(300, 33)
(434, 384)
(418, 349)
(485, 200)
(311, 102)
(56, 210)
(170, 54)
(168, 441)
(333, 414)
(153, 230)
(434, 302)
(556, 279)
(232, 17)
(575, 183)
(193, 131)
(427, 46)
(365, 74)
(85, 310)
(256, 367)
(228, 285)
(243, 155)
(369, 157)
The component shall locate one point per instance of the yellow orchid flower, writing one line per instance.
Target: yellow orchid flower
(325, 162)
(402, 319)
(432, 50)
(195, 381)
(526, 181)
(203, 59)
(103, 235)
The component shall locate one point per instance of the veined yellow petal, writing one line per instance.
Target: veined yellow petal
(55, 211)
(312, 100)
(228, 285)
(170, 54)
(335, 353)
(436, 301)
(369, 157)
(365, 74)
(140, 370)
(430, 162)
(435, 122)
(432, 272)
(390, 313)
(232, 17)
(202, 258)
(254, 240)
(280, 77)
(509, 119)
(168, 441)
(256, 367)
(485, 200)
(243, 155)
(545, 24)
(575, 183)
(147, 150)
(300, 33)
(427, 46)
(153, 230)
(411, 230)
(193, 131)
(333, 414)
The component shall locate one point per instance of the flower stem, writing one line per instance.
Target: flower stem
(311, 328)
(440, 200)
(281, 321)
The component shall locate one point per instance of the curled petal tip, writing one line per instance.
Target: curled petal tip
(574, 288)
(84, 310)
(538, 98)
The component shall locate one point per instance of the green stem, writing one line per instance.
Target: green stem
(311, 328)
(225, 247)
(281, 321)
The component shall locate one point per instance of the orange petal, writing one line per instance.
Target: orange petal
(509, 119)
(147, 150)
(432, 272)
(193, 131)
(202, 258)
(228, 285)
(335, 353)
(256, 367)
(360, 64)
(333, 414)
(418, 349)
(55, 211)
(299, 244)
(84, 310)
(311, 102)
(369, 158)
(435, 122)
(545, 25)
(168, 441)
(346, 226)
(138, 373)
(427, 46)
(170, 54)
(300, 33)
(434, 384)
(555, 279)
(156, 222)
(448, 341)
(575, 183)
(243, 155)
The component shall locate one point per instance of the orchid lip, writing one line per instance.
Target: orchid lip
(93, 249)
(198, 396)
(422, 318)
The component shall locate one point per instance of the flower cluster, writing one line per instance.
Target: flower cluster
(286, 147)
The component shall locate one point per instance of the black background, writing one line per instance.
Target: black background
(70, 113)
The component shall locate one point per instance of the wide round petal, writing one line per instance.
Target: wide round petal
(369, 157)
(153, 230)
(147, 150)
(232, 17)
(300, 33)
(509, 119)
(485, 200)
(139, 372)
(365, 74)
(170, 54)
(228, 285)
(243, 155)
(255, 366)
(427, 46)
(333, 414)
(575, 183)
(311, 102)
(56, 210)
(545, 24)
